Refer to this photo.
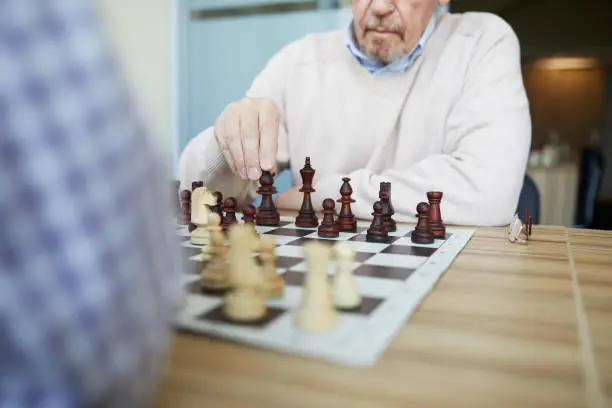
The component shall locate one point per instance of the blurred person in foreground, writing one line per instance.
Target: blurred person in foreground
(408, 93)
(88, 287)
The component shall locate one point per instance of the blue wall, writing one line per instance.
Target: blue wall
(218, 58)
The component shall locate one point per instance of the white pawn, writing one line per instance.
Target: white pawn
(274, 282)
(316, 312)
(201, 199)
(345, 290)
(247, 299)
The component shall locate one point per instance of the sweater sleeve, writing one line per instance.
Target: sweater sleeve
(202, 159)
(487, 142)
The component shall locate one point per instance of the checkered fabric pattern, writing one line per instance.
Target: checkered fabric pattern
(88, 286)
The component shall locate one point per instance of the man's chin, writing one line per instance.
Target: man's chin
(381, 55)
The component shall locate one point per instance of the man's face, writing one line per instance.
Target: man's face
(387, 30)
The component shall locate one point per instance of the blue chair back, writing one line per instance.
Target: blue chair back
(592, 166)
(530, 198)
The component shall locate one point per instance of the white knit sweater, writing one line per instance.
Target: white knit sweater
(458, 122)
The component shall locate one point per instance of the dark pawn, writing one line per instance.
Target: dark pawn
(377, 231)
(422, 232)
(346, 219)
(435, 218)
(229, 219)
(248, 214)
(196, 184)
(218, 207)
(306, 217)
(328, 227)
(388, 210)
(184, 217)
(267, 215)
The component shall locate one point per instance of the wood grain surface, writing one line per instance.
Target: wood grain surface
(507, 326)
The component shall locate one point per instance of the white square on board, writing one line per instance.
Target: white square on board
(283, 239)
(290, 251)
(368, 247)
(396, 261)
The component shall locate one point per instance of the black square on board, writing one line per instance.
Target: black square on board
(409, 250)
(383, 272)
(216, 316)
(363, 256)
(195, 288)
(293, 278)
(363, 238)
(288, 232)
(367, 307)
(286, 262)
(446, 236)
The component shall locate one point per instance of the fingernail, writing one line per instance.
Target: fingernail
(243, 174)
(267, 164)
(254, 173)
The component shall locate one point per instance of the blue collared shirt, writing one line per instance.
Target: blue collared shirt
(401, 65)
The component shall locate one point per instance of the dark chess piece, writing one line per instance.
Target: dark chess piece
(306, 217)
(184, 216)
(196, 184)
(229, 219)
(191, 227)
(328, 227)
(377, 231)
(248, 214)
(422, 233)
(388, 210)
(267, 215)
(435, 217)
(346, 219)
(218, 207)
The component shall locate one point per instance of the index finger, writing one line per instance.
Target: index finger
(268, 135)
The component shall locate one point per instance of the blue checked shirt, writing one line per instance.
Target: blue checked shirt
(88, 278)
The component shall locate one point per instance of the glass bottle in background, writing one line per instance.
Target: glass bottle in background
(551, 153)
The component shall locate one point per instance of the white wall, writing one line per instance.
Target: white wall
(141, 32)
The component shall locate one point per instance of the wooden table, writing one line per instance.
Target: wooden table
(507, 326)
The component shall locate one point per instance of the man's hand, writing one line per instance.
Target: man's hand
(290, 199)
(247, 133)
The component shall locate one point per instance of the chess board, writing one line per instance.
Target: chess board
(393, 279)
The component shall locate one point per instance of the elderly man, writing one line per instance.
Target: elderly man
(409, 94)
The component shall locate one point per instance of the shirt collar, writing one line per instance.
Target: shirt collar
(401, 65)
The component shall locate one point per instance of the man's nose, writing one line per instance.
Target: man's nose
(382, 7)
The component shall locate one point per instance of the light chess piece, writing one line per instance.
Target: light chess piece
(316, 312)
(345, 291)
(246, 302)
(519, 232)
(201, 200)
(274, 282)
(214, 277)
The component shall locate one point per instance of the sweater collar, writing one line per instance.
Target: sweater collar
(401, 65)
